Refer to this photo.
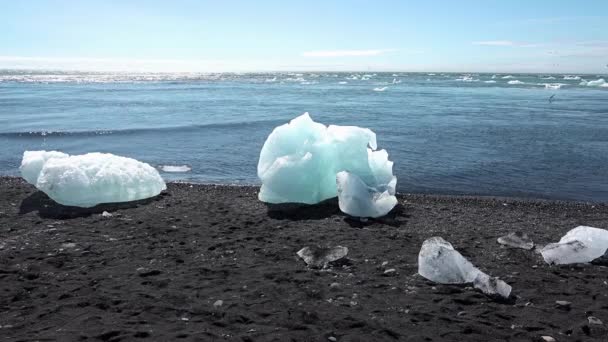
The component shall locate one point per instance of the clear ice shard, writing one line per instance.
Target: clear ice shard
(516, 240)
(300, 160)
(321, 257)
(90, 179)
(580, 245)
(438, 261)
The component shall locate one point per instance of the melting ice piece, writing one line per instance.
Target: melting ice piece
(94, 178)
(300, 160)
(516, 240)
(580, 245)
(321, 257)
(33, 161)
(438, 261)
(359, 200)
(175, 168)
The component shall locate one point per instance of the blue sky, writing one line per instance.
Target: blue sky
(200, 36)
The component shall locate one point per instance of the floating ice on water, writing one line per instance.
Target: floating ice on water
(357, 199)
(516, 240)
(175, 168)
(438, 261)
(515, 82)
(91, 179)
(580, 245)
(300, 160)
(33, 161)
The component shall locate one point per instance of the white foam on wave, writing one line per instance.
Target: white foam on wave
(507, 77)
(343, 82)
(569, 77)
(175, 168)
(490, 81)
(547, 78)
(466, 78)
(515, 82)
(380, 88)
(596, 83)
(553, 85)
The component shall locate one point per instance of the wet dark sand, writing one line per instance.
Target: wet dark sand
(154, 270)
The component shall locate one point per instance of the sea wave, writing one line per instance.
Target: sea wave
(596, 83)
(507, 77)
(143, 130)
(515, 82)
(380, 88)
(570, 77)
(553, 85)
(175, 168)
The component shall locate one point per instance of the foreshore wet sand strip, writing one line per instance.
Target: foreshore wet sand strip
(211, 262)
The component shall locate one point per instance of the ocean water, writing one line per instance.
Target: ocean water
(540, 136)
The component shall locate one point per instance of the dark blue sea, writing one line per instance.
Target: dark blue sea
(539, 136)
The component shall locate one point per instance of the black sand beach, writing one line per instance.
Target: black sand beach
(207, 263)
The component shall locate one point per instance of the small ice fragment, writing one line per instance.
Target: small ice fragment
(359, 200)
(321, 257)
(68, 245)
(516, 240)
(580, 245)
(218, 303)
(175, 168)
(491, 285)
(106, 214)
(438, 261)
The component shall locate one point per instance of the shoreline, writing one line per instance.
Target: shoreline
(211, 262)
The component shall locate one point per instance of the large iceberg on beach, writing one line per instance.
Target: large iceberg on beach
(90, 179)
(300, 161)
(438, 261)
(580, 245)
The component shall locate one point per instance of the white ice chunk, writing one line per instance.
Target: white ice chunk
(359, 200)
(438, 261)
(516, 240)
(95, 178)
(580, 245)
(33, 161)
(300, 160)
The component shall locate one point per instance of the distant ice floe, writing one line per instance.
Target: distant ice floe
(302, 161)
(90, 179)
(380, 88)
(175, 168)
(573, 78)
(580, 245)
(515, 82)
(597, 83)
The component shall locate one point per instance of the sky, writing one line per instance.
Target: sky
(541, 36)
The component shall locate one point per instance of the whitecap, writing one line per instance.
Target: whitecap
(490, 81)
(175, 168)
(567, 77)
(548, 78)
(597, 83)
(343, 82)
(507, 77)
(515, 82)
(380, 88)
(553, 85)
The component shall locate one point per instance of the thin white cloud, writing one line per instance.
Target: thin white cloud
(346, 53)
(495, 43)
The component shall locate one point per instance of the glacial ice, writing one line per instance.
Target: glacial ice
(299, 163)
(357, 199)
(516, 240)
(438, 261)
(33, 161)
(580, 245)
(90, 179)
